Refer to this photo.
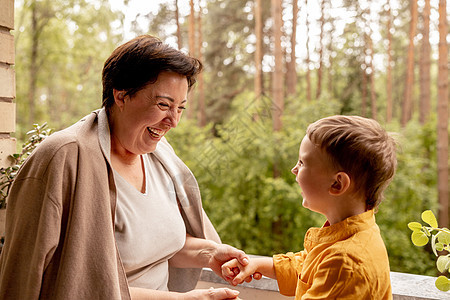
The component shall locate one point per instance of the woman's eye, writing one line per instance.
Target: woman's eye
(163, 105)
(181, 108)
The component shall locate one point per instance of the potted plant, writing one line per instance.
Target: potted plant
(440, 243)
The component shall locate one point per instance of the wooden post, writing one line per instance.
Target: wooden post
(442, 111)
(7, 90)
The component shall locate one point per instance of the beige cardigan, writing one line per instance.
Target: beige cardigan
(59, 241)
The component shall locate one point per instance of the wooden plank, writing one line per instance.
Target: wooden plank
(6, 48)
(7, 13)
(7, 117)
(7, 82)
(7, 147)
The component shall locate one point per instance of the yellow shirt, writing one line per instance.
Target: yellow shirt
(347, 260)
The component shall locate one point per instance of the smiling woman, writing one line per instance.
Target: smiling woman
(116, 213)
(138, 122)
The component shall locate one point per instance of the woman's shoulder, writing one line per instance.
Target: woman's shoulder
(82, 132)
(66, 143)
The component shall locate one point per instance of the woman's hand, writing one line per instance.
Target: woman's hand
(224, 253)
(211, 294)
(236, 273)
(200, 253)
(205, 294)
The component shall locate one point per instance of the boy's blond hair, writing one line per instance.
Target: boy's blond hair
(361, 148)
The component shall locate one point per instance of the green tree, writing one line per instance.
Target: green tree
(70, 43)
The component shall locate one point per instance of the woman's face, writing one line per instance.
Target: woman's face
(141, 120)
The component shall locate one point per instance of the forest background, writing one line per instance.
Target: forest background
(271, 68)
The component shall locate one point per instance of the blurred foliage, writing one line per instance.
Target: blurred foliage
(72, 40)
(412, 191)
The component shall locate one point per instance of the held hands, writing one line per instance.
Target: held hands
(236, 273)
(224, 255)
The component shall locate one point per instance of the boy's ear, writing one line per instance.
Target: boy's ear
(341, 184)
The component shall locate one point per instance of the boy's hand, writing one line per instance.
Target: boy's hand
(236, 273)
(225, 253)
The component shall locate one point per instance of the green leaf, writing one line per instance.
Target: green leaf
(415, 226)
(429, 218)
(444, 237)
(419, 238)
(442, 283)
(442, 262)
(439, 247)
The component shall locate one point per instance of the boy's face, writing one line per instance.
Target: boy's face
(315, 175)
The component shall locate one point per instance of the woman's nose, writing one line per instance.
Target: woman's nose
(173, 118)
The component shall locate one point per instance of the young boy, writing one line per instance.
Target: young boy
(345, 163)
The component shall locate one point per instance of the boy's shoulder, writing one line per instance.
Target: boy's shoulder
(355, 237)
(366, 242)
(361, 249)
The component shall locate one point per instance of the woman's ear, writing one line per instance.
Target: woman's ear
(119, 97)
(341, 184)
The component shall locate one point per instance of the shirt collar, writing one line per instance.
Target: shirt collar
(342, 230)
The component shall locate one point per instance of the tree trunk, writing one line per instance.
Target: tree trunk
(373, 96)
(277, 81)
(191, 33)
(291, 67)
(177, 19)
(33, 64)
(319, 70)
(409, 82)
(192, 50)
(424, 66)
(308, 61)
(363, 92)
(389, 65)
(330, 52)
(373, 99)
(201, 89)
(258, 49)
(442, 111)
(330, 67)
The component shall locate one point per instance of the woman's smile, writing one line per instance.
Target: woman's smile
(156, 133)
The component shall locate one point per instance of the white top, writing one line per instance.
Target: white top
(149, 228)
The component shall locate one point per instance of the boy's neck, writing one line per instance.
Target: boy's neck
(345, 207)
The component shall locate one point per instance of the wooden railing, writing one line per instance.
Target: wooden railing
(404, 287)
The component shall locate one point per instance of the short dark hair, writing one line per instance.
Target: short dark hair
(361, 148)
(138, 62)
